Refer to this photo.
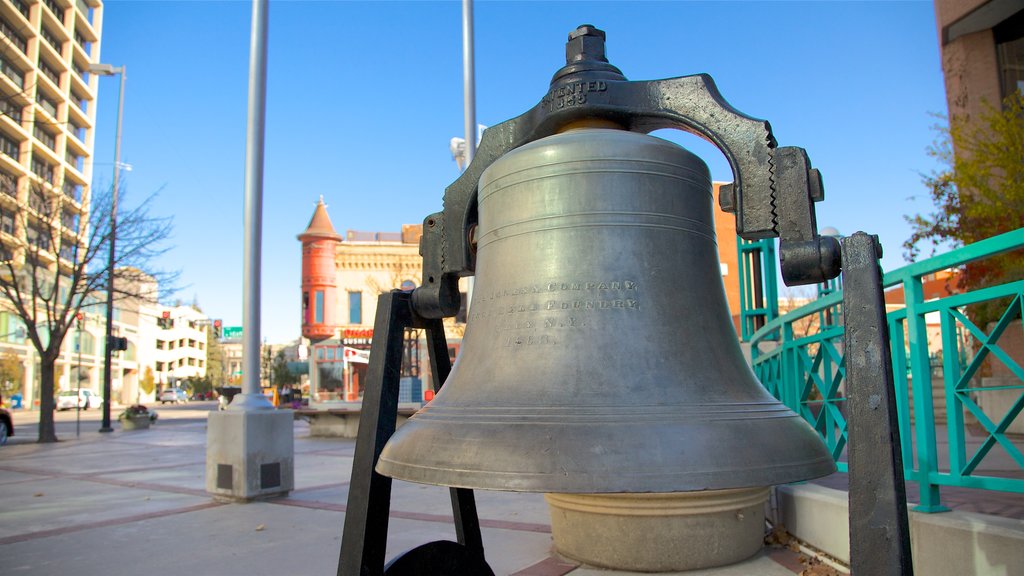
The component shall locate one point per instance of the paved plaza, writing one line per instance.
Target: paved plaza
(134, 502)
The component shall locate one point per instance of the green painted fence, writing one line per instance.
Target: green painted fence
(799, 359)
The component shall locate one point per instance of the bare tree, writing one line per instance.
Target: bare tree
(55, 264)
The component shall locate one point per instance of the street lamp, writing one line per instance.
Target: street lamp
(108, 70)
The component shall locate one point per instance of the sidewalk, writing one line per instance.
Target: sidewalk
(134, 502)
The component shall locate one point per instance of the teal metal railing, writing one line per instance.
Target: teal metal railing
(799, 359)
(759, 293)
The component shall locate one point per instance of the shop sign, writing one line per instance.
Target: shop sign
(358, 336)
(357, 356)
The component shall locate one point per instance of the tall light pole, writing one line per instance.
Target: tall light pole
(468, 80)
(469, 101)
(250, 447)
(252, 397)
(108, 70)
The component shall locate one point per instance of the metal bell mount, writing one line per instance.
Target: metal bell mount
(598, 355)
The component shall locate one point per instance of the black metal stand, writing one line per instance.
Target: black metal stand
(879, 532)
(364, 539)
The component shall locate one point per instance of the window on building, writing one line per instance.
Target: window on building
(191, 343)
(202, 346)
(201, 362)
(7, 220)
(318, 314)
(82, 342)
(191, 361)
(159, 366)
(12, 329)
(161, 345)
(460, 316)
(170, 345)
(12, 148)
(37, 238)
(355, 307)
(37, 202)
(305, 307)
(1009, 37)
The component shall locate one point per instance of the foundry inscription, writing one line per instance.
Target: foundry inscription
(535, 314)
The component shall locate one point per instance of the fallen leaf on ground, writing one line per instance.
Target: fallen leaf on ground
(261, 527)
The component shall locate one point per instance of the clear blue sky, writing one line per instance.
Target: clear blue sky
(363, 98)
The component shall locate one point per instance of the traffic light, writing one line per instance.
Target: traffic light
(118, 343)
(217, 324)
(80, 317)
(165, 320)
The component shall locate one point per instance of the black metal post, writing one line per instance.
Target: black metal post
(879, 527)
(467, 523)
(364, 540)
(365, 535)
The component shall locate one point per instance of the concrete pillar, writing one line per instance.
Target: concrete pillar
(250, 454)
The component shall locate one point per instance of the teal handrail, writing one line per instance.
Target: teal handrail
(798, 358)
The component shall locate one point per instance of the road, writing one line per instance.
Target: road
(70, 422)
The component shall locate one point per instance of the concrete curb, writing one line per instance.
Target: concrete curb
(944, 544)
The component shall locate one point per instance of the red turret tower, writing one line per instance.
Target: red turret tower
(319, 278)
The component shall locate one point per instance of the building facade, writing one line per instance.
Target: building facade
(47, 111)
(179, 345)
(982, 44)
(342, 277)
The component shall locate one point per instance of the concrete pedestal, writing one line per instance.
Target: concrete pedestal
(250, 454)
(669, 532)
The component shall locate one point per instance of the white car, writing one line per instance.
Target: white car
(173, 395)
(86, 399)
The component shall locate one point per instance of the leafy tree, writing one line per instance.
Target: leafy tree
(281, 374)
(62, 266)
(148, 382)
(214, 359)
(979, 191)
(199, 385)
(11, 372)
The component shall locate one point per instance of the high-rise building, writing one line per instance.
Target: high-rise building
(47, 120)
(47, 108)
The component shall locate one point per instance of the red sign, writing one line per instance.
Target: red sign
(360, 333)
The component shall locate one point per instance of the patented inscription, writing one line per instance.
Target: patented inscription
(574, 94)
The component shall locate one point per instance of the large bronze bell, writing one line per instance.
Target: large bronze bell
(599, 355)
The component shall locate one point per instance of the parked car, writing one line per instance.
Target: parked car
(86, 399)
(173, 395)
(6, 426)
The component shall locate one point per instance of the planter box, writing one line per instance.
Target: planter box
(136, 423)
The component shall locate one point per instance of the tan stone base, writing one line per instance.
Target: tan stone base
(668, 532)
